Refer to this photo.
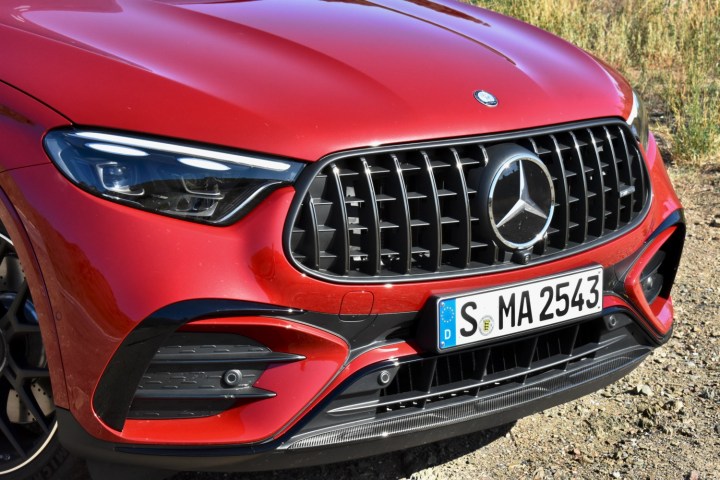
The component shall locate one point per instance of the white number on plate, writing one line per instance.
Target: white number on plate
(503, 311)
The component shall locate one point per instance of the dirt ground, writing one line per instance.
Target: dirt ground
(660, 422)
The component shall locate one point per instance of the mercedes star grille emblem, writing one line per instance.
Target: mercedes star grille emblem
(486, 98)
(524, 204)
(520, 197)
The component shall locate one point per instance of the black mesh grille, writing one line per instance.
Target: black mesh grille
(471, 372)
(410, 211)
(520, 376)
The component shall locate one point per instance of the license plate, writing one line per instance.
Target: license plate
(490, 314)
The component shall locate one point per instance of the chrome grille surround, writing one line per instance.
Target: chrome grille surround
(406, 212)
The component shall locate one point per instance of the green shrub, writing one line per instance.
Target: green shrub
(668, 49)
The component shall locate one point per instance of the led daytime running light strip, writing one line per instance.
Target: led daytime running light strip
(185, 151)
(633, 111)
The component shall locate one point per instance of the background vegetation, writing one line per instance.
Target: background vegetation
(668, 49)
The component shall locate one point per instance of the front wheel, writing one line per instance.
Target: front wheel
(29, 447)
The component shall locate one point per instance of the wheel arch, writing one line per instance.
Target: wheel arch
(16, 231)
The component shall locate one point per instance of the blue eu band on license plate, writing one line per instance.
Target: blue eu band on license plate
(494, 313)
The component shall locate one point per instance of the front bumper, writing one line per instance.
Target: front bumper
(396, 395)
(352, 422)
(131, 289)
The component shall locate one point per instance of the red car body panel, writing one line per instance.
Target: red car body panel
(284, 78)
(22, 121)
(325, 355)
(88, 279)
(299, 79)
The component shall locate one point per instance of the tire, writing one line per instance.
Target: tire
(29, 447)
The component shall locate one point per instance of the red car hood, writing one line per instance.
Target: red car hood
(298, 78)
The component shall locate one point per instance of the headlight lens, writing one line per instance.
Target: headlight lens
(638, 121)
(180, 180)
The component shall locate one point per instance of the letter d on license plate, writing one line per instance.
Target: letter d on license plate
(494, 313)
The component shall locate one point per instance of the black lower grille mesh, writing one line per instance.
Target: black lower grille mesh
(471, 372)
(472, 408)
(412, 210)
(442, 389)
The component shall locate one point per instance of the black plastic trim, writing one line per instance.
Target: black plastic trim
(117, 386)
(622, 269)
(267, 457)
(675, 219)
(224, 357)
(308, 174)
(273, 455)
(204, 394)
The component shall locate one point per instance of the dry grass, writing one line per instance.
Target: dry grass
(668, 49)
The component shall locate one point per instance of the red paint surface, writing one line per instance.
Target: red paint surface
(107, 267)
(256, 420)
(357, 303)
(660, 313)
(299, 79)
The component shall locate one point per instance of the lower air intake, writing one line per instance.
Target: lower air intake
(476, 407)
(202, 374)
(499, 382)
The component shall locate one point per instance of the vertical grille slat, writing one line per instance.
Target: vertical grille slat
(432, 240)
(542, 246)
(573, 343)
(313, 251)
(488, 252)
(630, 178)
(370, 217)
(636, 161)
(399, 213)
(625, 186)
(341, 239)
(582, 208)
(624, 161)
(613, 202)
(598, 187)
(531, 353)
(562, 215)
(402, 243)
(461, 205)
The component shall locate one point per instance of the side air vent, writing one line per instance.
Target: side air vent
(658, 276)
(201, 374)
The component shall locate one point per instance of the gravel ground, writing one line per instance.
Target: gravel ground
(660, 422)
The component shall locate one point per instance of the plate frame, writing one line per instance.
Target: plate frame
(438, 299)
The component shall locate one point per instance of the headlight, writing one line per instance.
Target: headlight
(180, 180)
(638, 121)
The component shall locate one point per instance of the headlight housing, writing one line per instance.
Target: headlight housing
(201, 184)
(638, 121)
